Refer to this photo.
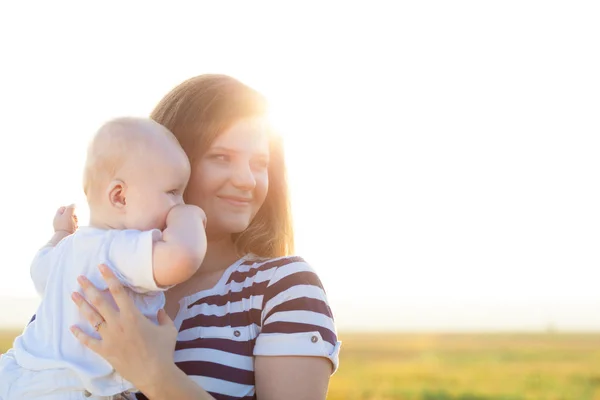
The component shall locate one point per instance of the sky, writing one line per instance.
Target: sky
(443, 156)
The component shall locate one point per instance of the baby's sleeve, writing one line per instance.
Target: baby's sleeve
(40, 269)
(130, 258)
(296, 317)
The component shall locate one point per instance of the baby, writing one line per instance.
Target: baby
(134, 180)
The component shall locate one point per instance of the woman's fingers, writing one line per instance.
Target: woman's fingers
(119, 294)
(103, 309)
(163, 318)
(92, 343)
(93, 318)
(85, 309)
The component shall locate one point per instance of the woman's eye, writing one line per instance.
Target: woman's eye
(261, 164)
(221, 157)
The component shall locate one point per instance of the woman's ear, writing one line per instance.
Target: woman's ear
(117, 193)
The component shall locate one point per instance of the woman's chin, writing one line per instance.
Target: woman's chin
(228, 226)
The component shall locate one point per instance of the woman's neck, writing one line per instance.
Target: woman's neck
(220, 254)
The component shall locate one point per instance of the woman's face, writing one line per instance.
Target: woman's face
(231, 180)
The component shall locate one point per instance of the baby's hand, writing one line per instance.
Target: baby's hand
(65, 219)
(186, 212)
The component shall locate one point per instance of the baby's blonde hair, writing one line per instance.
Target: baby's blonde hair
(113, 145)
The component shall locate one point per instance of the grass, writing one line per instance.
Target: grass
(468, 367)
(462, 366)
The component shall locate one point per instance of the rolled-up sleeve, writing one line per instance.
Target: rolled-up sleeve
(130, 257)
(296, 317)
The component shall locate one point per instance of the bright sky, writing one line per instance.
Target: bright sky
(444, 156)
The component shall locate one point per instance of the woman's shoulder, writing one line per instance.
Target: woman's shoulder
(290, 261)
(272, 276)
(278, 267)
(275, 261)
(296, 318)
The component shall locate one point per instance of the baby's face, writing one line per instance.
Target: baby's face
(159, 180)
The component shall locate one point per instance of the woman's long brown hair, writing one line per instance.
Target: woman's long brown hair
(200, 109)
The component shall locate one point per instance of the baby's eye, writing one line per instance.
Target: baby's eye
(173, 192)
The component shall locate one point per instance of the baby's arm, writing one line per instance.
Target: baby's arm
(183, 246)
(153, 261)
(65, 223)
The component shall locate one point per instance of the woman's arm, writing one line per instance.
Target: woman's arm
(138, 349)
(175, 384)
(297, 349)
(292, 378)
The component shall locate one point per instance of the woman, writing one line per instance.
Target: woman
(254, 322)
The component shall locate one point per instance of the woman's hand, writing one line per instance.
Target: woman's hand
(135, 346)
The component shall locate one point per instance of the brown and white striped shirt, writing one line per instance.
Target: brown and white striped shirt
(274, 307)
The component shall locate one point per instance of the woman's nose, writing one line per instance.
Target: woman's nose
(243, 177)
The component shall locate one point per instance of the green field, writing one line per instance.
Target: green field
(463, 366)
(468, 367)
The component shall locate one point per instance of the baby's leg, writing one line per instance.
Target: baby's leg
(10, 373)
(18, 383)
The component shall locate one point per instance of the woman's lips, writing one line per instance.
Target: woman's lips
(236, 201)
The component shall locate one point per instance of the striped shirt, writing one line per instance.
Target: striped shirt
(275, 307)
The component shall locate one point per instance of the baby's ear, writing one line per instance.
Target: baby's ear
(117, 193)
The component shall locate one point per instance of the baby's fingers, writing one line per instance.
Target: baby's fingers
(70, 209)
